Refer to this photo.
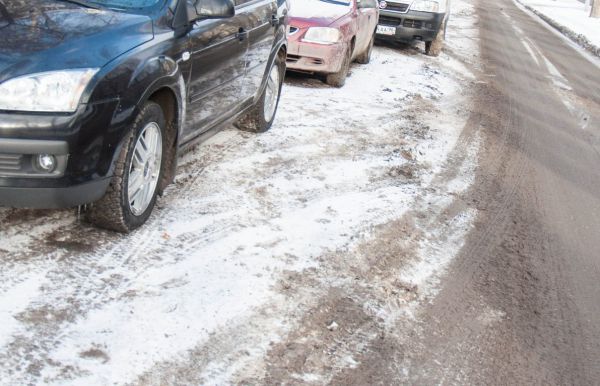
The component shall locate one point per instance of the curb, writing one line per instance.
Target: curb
(575, 37)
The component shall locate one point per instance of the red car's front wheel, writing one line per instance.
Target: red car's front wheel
(338, 79)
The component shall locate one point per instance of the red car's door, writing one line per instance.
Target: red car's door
(367, 22)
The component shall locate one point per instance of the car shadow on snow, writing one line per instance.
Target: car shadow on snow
(306, 80)
(412, 49)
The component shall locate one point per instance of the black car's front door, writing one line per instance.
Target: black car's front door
(218, 56)
(260, 20)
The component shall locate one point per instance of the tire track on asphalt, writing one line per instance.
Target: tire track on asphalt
(508, 266)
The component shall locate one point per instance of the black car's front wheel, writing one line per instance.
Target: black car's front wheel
(133, 190)
(260, 118)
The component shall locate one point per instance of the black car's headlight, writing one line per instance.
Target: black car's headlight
(51, 92)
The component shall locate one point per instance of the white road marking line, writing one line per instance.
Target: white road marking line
(523, 37)
(560, 83)
(592, 59)
(528, 48)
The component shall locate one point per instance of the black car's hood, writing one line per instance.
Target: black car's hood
(46, 35)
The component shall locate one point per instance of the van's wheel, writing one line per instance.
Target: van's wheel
(339, 78)
(260, 118)
(434, 48)
(365, 57)
(133, 189)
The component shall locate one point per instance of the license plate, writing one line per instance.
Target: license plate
(386, 30)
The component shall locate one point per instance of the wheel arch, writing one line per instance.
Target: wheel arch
(279, 51)
(167, 99)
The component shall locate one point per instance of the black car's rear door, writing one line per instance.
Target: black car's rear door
(218, 56)
(260, 20)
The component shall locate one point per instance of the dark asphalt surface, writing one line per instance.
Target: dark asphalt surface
(522, 302)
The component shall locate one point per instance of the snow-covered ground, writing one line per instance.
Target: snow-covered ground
(353, 190)
(571, 16)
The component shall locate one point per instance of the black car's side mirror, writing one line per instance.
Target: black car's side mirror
(214, 9)
(188, 11)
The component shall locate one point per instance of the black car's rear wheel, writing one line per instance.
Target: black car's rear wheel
(260, 118)
(133, 190)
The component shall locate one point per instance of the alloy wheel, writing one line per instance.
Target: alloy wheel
(144, 169)
(272, 93)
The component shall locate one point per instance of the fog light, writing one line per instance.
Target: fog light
(46, 163)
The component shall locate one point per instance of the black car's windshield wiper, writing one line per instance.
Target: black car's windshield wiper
(336, 2)
(81, 3)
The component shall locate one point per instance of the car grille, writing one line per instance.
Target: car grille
(391, 21)
(10, 162)
(409, 23)
(292, 58)
(397, 7)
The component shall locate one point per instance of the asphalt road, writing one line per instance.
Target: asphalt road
(533, 261)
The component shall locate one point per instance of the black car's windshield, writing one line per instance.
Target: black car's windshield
(125, 4)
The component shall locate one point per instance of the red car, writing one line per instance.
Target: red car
(326, 36)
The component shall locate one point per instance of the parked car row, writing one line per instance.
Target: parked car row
(99, 97)
(326, 36)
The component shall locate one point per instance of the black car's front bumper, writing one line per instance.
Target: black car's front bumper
(411, 25)
(83, 146)
(51, 198)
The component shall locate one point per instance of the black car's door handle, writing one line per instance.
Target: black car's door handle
(274, 20)
(242, 34)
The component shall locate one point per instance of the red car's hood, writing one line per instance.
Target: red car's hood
(306, 13)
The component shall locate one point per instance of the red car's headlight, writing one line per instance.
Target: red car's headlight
(322, 35)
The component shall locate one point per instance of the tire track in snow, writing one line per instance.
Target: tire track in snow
(117, 292)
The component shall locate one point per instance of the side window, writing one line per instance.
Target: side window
(240, 2)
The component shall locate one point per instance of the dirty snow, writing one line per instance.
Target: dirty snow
(199, 294)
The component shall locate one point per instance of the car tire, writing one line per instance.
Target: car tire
(365, 57)
(338, 79)
(133, 190)
(261, 117)
(434, 48)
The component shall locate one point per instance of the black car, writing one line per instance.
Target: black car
(98, 97)
(410, 20)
